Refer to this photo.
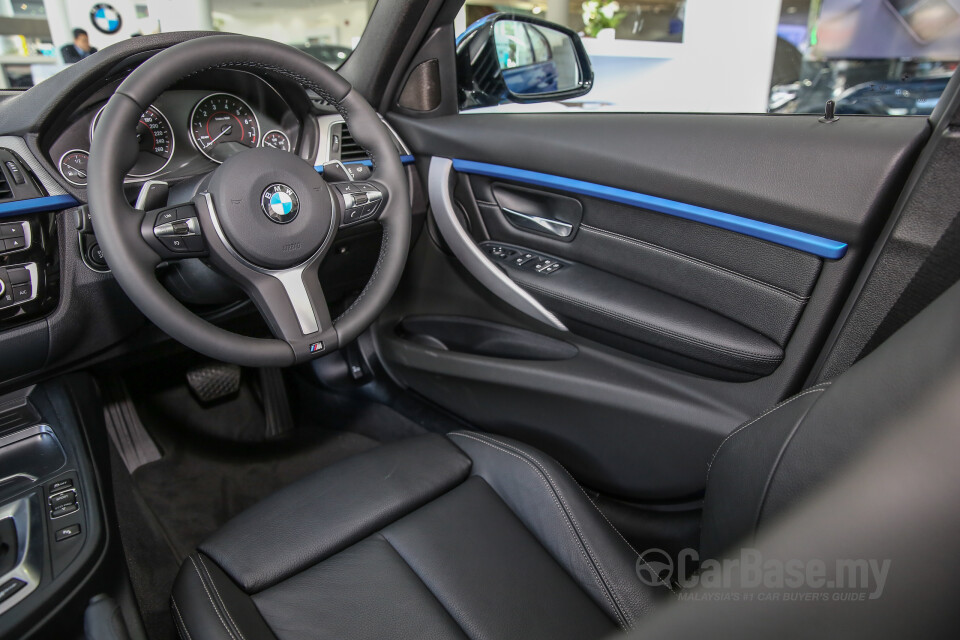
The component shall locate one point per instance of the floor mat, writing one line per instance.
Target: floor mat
(192, 493)
(217, 459)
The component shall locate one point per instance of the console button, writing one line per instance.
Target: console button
(18, 276)
(10, 587)
(60, 485)
(11, 230)
(66, 509)
(524, 259)
(95, 256)
(14, 244)
(22, 292)
(60, 499)
(67, 532)
(175, 244)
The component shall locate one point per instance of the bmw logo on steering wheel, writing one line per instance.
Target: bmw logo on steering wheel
(280, 203)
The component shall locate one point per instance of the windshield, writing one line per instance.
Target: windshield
(38, 38)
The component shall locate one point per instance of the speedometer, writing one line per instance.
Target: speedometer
(155, 139)
(222, 125)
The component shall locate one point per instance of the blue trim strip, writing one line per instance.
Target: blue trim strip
(780, 235)
(368, 163)
(37, 205)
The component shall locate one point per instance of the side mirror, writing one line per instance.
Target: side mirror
(507, 57)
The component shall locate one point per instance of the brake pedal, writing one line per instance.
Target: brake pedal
(214, 382)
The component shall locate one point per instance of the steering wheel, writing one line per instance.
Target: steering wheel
(266, 218)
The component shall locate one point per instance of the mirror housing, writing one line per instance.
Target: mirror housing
(506, 57)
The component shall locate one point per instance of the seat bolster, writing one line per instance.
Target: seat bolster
(562, 517)
(207, 604)
(317, 516)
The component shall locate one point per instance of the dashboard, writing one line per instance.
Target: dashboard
(190, 128)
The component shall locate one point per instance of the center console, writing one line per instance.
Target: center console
(52, 534)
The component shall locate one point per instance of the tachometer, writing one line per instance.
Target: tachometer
(155, 138)
(222, 125)
(73, 167)
(276, 139)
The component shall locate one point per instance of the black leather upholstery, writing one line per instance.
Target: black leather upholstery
(431, 537)
(767, 464)
(481, 537)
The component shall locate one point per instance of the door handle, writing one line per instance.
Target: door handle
(538, 223)
(470, 255)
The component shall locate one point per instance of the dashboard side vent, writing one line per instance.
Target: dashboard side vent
(6, 193)
(350, 149)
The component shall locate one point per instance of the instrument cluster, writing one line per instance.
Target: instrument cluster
(184, 132)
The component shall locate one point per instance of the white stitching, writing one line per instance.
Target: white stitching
(569, 475)
(212, 603)
(571, 525)
(180, 619)
(376, 272)
(222, 602)
(702, 263)
(815, 389)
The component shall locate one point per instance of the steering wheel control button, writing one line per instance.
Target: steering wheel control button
(166, 216)
(361, 201)
(178, 230)
(66, 532)
(280, 202)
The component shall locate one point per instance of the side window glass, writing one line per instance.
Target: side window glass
(871, 57)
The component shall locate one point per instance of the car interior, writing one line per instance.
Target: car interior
(290, 352)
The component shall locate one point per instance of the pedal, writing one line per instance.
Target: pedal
(276, 403)
(214, 382)
(129, 436)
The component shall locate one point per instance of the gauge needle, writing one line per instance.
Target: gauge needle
(225, 131)
(81, 174)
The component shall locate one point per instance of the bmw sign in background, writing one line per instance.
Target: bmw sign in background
(105, 18)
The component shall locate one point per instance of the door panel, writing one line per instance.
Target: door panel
(697, 261)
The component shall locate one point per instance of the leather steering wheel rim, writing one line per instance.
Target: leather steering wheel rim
(133, 261)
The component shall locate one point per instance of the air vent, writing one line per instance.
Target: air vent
(5, 192)
(350, 149)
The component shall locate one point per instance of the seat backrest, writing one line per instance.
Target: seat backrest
(768, 463)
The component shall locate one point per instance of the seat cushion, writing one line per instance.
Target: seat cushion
(466, 536)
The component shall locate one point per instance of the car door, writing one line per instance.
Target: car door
(622, 290)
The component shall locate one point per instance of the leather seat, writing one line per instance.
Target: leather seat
(432, 537)
(478, 536)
